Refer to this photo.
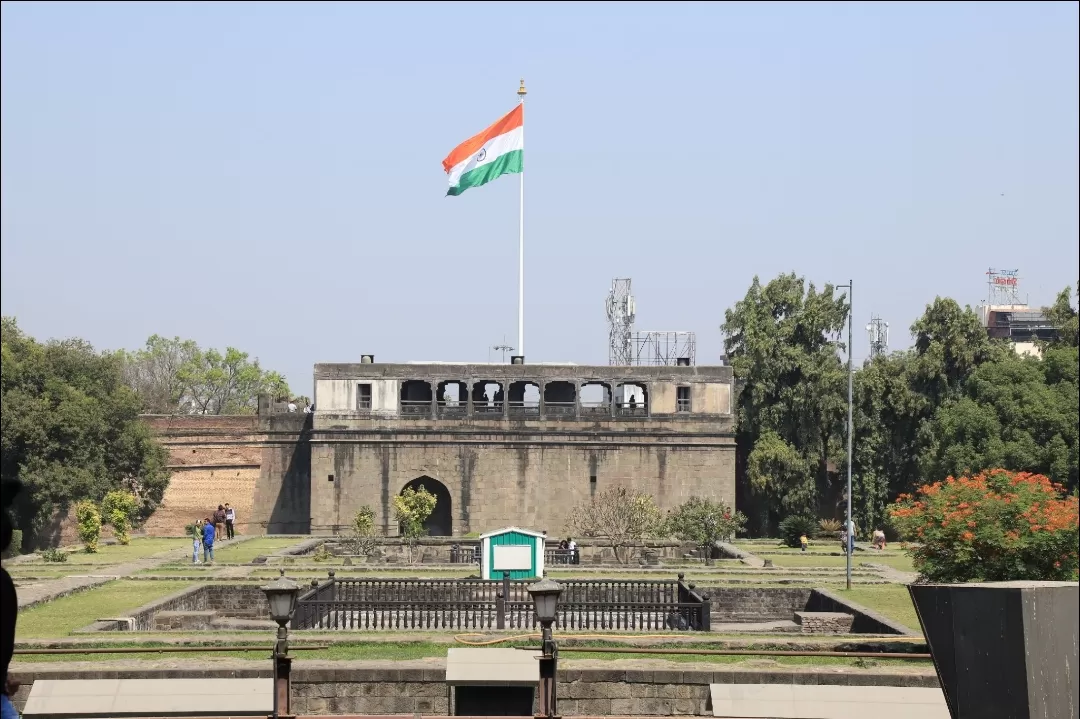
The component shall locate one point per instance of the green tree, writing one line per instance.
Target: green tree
(1064, 316)
(71, 429)
(621, 517)
(154, 372)
(411, 509)
(704, 522)
(781, 339)
(120, 510)
(228, 383)
(1016, 413)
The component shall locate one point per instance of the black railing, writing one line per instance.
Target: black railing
(362, 603)
(595, 409)
(525, 409)
(416, 408)
(553, 557)
(560, 409)
(453, 409)
(464, 555)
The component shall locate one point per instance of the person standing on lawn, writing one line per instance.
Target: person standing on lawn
(208, 541)
(219, 521)
(230, 519)
(196, 540)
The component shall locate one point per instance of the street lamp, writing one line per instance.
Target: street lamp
(545, 596)
(282, 595)
(850, 542)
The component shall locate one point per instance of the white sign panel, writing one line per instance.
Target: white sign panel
(509, 557)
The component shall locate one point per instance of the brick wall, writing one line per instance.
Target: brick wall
(228, 600)
(353, 688)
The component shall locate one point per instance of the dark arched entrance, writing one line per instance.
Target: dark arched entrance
(440, 523)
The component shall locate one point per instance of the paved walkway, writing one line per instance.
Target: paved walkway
(50, 589)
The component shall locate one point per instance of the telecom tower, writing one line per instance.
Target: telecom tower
(620, 314)
(878, 332)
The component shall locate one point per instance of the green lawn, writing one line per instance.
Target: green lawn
(244, 552)
(892, 600)
(903, 563)
(397, 651)
(140, 548)
(62, 616)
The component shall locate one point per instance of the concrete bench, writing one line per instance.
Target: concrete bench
(804, 701)
(117, 698)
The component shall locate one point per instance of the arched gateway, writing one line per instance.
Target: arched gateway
(440, 523)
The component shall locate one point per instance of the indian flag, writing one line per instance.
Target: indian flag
(498, 150)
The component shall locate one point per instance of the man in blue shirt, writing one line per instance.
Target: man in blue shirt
(208, 541)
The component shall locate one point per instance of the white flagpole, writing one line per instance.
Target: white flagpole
(521, 235)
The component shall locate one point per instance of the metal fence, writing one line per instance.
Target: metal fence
(386, 604)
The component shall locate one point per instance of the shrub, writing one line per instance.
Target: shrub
(995, 526)
(795, 526)
(15, 548)
(119, 509)
(322, 554)
(704, 523)
(619, 516)
(52, 554)
(411, 509)
(89, 523)
(830, 526)
(363, 532)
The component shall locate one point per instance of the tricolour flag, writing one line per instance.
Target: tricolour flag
(498, 150)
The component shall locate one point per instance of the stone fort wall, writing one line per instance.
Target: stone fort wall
(515, 473)
(259, 465)
(284, 476)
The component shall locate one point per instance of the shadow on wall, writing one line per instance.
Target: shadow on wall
(290, 511)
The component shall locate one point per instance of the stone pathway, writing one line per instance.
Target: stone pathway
(48, 590)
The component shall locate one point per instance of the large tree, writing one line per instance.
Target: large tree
(1065, 317)
(177, 376)
(71, 429)
(1016, 413)
(782, 340)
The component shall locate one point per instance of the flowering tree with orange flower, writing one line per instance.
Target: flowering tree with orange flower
(994, 526)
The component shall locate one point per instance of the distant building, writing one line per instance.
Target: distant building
(1021, 325)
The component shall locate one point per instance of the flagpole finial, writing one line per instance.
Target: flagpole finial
(521, 90)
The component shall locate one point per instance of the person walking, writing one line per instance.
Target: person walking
(230, 520)
(196, 540)
(208, 541)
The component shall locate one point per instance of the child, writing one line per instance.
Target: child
(803, 541)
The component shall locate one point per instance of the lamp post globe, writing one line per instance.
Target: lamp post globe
(282, 594)
(545, 595)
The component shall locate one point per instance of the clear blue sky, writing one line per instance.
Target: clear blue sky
(268, 175)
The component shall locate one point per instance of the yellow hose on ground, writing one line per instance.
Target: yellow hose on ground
(460, 638)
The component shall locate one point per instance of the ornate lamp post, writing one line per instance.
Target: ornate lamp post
(282, 594)
(545, 595)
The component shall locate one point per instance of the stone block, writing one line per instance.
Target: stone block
(1004, 648)
(824, 622)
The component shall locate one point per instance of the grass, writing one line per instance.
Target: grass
(902, 563)
(892, 600)
(62, 616)
(245, 551)
(400, 651)
(140, 548)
